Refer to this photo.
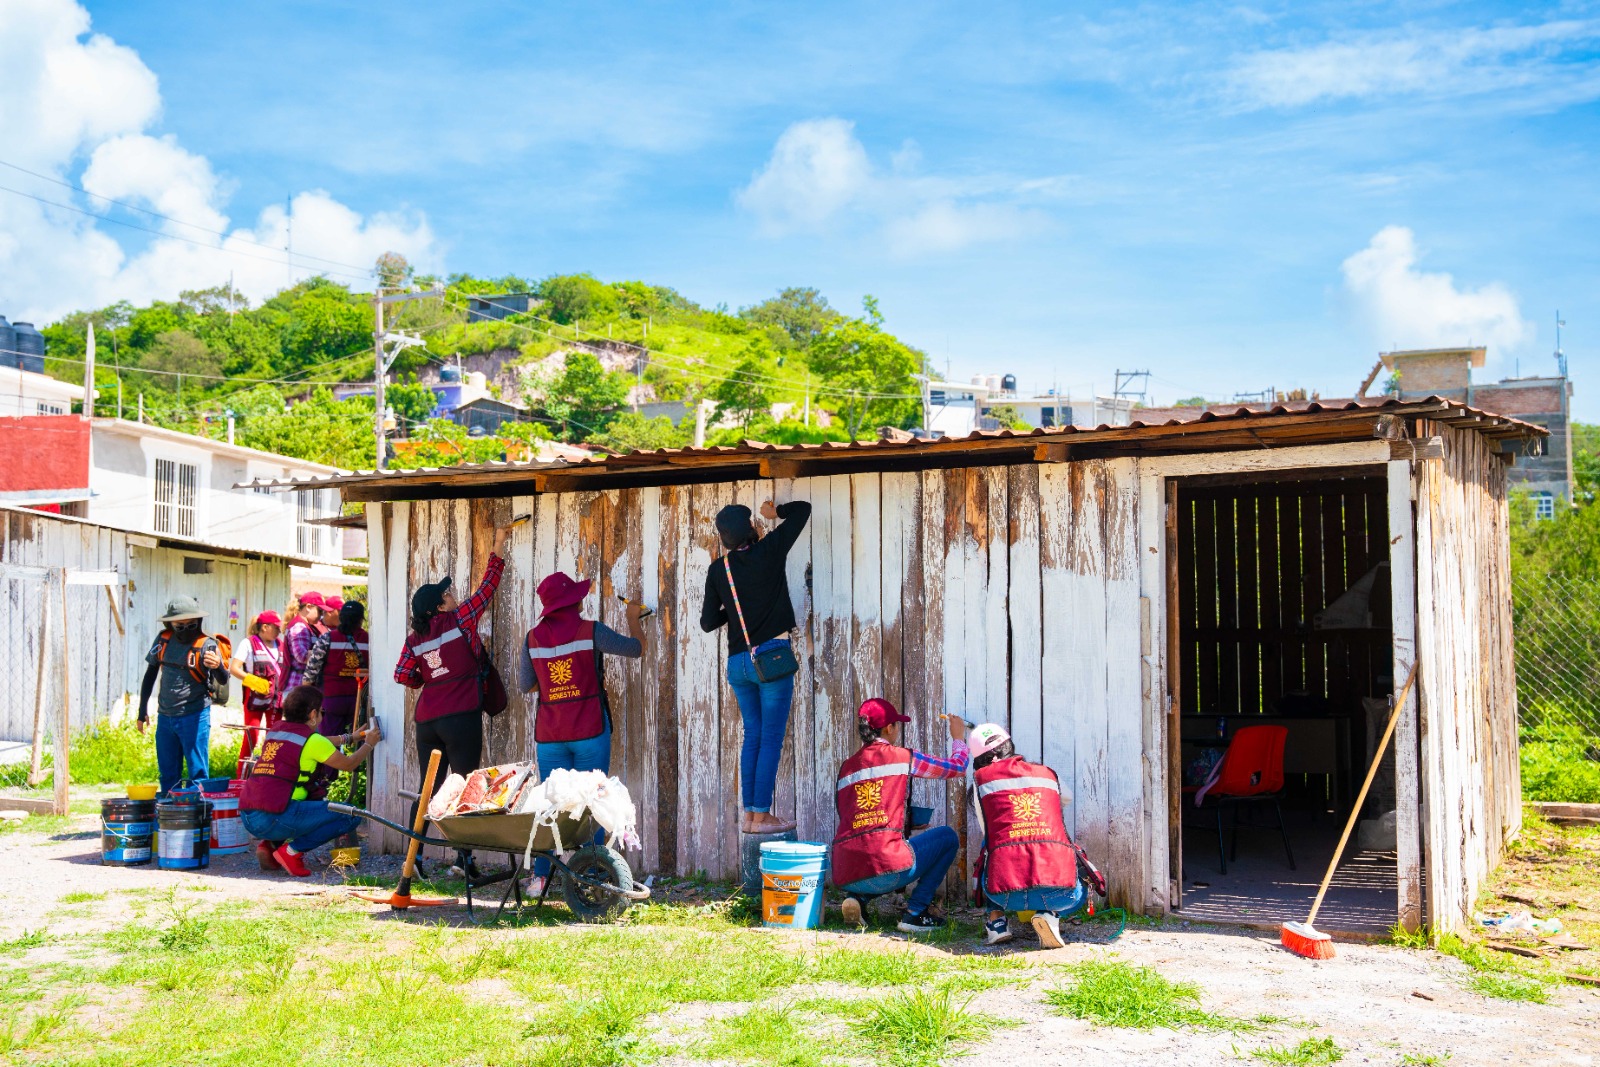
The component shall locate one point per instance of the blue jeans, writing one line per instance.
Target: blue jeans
(591, 755)
(764, 707)
(1063, 902)
(183, 739)
(935, 850)
(305, 824)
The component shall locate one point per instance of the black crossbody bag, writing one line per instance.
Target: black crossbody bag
(773, 664)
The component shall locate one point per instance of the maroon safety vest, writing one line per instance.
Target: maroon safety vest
(1024, 835)
(272, 782)
(571, 694)
(347, 654)
(449, 669)
(266, 661)
(873, 789)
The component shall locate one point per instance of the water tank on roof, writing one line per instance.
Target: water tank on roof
(1009, 383)
(449, 374)
(993, 382)
(30, 343)
(8, 345)
(476, 380)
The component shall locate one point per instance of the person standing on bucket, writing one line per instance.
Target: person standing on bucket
(747, 590)
(282, 802)
(185, 664)
(563, 662)
(871, 855)
(337, 665)
(1028, 862)
(443, 658)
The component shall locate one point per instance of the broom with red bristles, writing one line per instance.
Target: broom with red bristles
(1303, 939)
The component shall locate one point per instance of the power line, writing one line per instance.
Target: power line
(168, 218)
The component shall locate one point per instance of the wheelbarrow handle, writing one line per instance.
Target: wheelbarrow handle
(363, 813)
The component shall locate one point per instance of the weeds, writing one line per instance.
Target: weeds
(41, 1028)
(1312, 1052)
(29, 939)
(1510, 986)
(81, 898)
(1424, 1059)
(1400, 937)
(866, 967)
(1112, 993)
(106, 754)
(769, 1037)
(598, 1032)
(186, 933)
(918, 1027)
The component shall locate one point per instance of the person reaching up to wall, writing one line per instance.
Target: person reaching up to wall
(443, 658)
(871, 854)
(747, 590)
(563, 661)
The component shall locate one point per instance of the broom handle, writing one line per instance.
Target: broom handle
(1361, 798)
(417, 824)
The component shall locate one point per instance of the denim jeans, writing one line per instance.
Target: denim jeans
(1063, 902)
(305, 824)
(591, 755)
(764, 707)
(183, 739)
(935, 850)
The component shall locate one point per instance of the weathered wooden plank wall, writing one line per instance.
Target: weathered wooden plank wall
(1001, 594)
(1470, 779)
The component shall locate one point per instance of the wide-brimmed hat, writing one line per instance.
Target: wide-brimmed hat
(182, 607)
(559, 590)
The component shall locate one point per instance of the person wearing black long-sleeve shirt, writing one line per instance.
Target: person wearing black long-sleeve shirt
(758, 567)
(179, 663)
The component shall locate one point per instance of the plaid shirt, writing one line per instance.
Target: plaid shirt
(408, 672)
(300, 640)
(926, 766)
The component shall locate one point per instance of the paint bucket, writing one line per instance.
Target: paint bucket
(921, 815)
(791, 884)
(126, 827)
(212, 785)
(185, 792)
(228, 835)
(185, 841)
(750, 859)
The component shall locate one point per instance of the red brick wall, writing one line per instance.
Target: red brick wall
(44, 452)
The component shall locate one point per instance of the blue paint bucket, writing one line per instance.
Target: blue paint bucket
(126, 829)
(185, 792)
(185, 841)
(792, 873)
(212, 785)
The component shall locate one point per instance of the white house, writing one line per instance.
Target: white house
(23, 392)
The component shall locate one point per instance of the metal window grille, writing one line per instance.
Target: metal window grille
(175, 489)
(47, 408)
(1544, 506)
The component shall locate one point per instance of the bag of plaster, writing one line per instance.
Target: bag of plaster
(446, 797)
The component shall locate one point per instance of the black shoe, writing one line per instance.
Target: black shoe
(917, 924)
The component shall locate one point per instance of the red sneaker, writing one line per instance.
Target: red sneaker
(291, 861)
(264, 856)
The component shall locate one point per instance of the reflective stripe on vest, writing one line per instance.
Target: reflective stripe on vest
(1017, 783)
(540, 652)
(874, 787)
(449, 671)
(867, 773)
(277, 772)
(438, 642)
(339, 675)
(265, 662)
(571, 692)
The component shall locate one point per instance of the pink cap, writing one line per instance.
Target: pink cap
(312, 599)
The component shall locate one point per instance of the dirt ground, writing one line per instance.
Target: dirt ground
(1380, 1003)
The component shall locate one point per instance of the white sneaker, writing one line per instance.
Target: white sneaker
(996, 931)
(1048, 927)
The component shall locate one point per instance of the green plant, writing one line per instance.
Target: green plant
(187, 932)
(1400, 937)
(40, 1028)
(81, 897)
(1312, 1052)
(1424, 1059)
(28, 939)
(1113, 993)
(116, 754)
(597, 1032)
(865, 967)
(765, 1036)
(1508, 986)
(918, 1027)
(1556, 765)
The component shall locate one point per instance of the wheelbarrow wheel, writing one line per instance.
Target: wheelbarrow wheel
(591, 903)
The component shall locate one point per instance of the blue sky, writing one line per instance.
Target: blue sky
(1234, 198)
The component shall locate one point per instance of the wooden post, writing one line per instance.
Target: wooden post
(1403, 606)
(36, 768)
(62, 772)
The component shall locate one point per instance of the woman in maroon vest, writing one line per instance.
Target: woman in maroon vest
(277, 803)
(871, 855)
(337, 665)
(441, 658)
(262, 658)
(1029, 863)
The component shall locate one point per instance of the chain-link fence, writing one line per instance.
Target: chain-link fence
(1556, 623)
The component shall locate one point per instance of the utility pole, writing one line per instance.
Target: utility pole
(230, 426)
(383, 358)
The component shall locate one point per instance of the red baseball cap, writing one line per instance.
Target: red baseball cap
(269, 618)
(333, 603)
(311, 598)
(879, 713)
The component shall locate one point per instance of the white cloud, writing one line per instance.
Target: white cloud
(820, 177)
(79, 108)
(1406, 307)
(1425, 63)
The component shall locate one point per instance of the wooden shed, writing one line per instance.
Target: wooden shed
(1108, 595)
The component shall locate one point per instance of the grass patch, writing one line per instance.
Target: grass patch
(765, 1036)
(81, 897)
(1425, 1059)
(1312, 1052)
(41, 1028)
(28, 939)
(1400, 937)
(1113, 993)
(916, 1028)
(598, 1032)
(1494, 975)
(1510, 987)
(865, 967)
(1556, 766)
(107, 754)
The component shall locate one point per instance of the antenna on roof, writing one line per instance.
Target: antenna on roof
(1561, 357)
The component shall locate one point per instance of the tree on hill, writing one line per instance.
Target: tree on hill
(631, 431)
(745, 395)
(867, 373)
(802, 314)
(571, 297)
(583, 397)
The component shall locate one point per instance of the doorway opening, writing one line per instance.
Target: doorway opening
(1282, 620)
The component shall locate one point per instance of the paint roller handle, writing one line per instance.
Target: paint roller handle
(640, 611)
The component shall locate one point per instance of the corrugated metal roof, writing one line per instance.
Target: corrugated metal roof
(1257, 416)
(173, 541)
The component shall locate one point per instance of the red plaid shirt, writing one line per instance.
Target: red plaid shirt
(408, 672)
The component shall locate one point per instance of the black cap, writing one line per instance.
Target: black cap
(734, 526)
(352, 612)
(426, 600)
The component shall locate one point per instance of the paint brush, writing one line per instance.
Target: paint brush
(648, 610)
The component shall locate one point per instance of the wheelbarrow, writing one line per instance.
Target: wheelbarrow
(596, 882)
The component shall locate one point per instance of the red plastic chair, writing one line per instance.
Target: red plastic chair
(1251, 772)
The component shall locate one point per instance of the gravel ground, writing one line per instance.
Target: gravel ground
(1379, 1003)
